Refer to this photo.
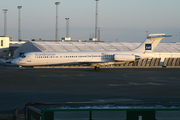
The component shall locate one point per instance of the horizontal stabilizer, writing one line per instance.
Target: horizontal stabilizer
(158, 36)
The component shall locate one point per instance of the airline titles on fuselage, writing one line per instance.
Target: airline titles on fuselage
(53, 55)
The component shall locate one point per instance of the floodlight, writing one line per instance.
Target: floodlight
(57, 3)
(5, 10)
(19, 7)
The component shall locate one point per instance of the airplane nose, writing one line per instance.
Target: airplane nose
(15, 62)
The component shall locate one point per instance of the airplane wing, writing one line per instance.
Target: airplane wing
(102, 63)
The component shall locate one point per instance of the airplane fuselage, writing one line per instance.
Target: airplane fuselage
(55, 58)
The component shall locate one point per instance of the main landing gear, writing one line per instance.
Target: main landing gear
(96, 68)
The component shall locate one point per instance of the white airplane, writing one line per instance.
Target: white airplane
(96, 59)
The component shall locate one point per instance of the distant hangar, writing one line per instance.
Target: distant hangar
(31, 46)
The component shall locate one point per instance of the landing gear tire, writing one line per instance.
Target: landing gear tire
(20, 68)
(96, 68)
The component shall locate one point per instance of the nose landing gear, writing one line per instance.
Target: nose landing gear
(20, 68)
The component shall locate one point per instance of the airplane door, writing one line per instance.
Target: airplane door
(28, 59)
(89, 57)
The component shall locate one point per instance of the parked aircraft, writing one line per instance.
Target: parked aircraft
(96, 59)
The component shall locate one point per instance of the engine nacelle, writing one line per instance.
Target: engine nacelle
(125, 57)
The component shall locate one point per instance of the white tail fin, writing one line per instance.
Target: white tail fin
(151, 42)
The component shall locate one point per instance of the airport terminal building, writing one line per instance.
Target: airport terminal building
(4, 46)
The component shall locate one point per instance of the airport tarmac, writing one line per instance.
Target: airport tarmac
(111, 85)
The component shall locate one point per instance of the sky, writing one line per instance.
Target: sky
(126, 20)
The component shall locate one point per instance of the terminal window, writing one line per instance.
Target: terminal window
(1, 42)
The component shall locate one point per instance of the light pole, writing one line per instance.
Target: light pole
(99, 34)
(179, 36)
(67, 27)
(57, 3)
(19, 23)
(146, 33)
(5, 23)
(96, 21)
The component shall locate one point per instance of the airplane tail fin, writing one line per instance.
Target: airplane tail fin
(151, 42)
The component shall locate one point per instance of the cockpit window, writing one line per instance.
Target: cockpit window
(23, 56)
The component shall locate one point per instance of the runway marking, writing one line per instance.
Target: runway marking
(43, 75)
(127, 76)
(74, 75)
(115, 100)
(116, 85)
(164, 78)
(62, 75)
(145, 83)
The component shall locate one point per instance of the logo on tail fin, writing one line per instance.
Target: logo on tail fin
(147, 46)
